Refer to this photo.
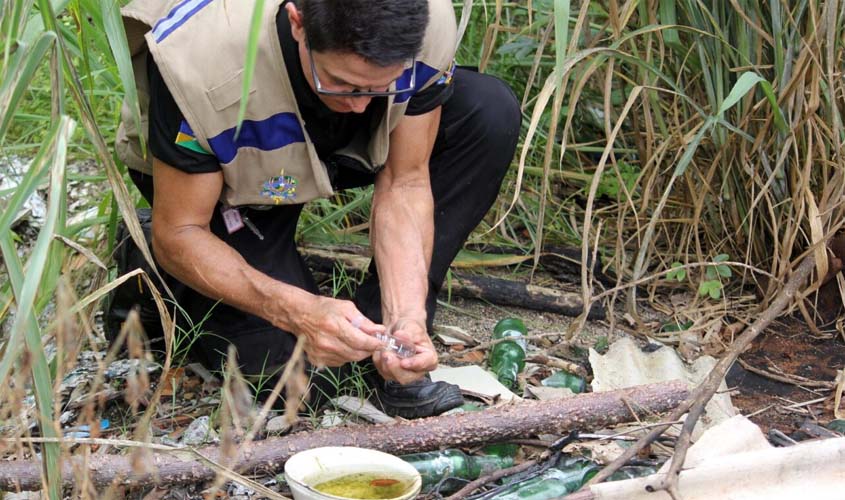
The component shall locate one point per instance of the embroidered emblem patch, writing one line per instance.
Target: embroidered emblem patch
(446, 79)
(280, 188)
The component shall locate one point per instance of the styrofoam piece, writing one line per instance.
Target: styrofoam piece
(625, 365)
(475, 379)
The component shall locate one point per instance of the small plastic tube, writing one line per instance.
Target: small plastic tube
(394, 345)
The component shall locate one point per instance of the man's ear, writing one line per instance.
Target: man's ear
(295, 18)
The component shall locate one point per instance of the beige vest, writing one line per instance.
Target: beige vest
(200, 48)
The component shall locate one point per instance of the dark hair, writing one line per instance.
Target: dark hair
(383, 32)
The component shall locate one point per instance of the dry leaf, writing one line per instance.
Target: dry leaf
(172, 381)
(474, 357)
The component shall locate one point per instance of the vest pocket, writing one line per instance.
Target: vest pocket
(229, 92)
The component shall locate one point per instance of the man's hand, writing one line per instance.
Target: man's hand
(336, 332)
(405, 371)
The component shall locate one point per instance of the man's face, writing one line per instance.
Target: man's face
(341, 72)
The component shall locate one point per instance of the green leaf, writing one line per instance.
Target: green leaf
(113, 26)
(691, 148)
(601, 344)
(472, 259)
(18, 75)
(251, 56)
(678, 272)
(711, 273)
(722, 257)
(29, 182)
(26, 287)
(743, 85)
(667, 15)
(713, 288)
(780, 121)
(562, 8)
(724, 270)
(676, 326)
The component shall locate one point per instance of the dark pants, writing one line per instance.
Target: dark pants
(475, 144)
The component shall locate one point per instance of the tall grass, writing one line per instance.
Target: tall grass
(658, 134)
(717, 124)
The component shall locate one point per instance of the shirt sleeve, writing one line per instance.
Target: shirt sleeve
(429, 98)
(171, 138)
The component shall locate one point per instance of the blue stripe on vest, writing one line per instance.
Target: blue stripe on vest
(424, 74)
(271, 133)
(177, 17)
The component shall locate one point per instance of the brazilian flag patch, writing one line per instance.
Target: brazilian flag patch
(188, 140)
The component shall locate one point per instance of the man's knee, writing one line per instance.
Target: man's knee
(494, 121)
(500, 112)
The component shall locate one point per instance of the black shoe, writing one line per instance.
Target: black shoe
(419, 399)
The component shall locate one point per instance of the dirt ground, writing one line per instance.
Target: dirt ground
(787, 347)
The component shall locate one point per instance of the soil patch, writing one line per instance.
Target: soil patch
(787, 348)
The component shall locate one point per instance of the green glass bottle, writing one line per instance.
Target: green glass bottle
(566, 478)
(507, 359)
(837, 426)
(567, 380)
(433, 466)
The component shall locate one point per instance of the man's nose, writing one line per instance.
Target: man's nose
(358, 104)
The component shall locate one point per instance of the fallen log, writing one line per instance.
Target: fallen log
(498, 291)
(526, 418)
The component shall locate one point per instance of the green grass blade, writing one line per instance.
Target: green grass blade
(692, 147)
(562, 9)
(780, 121)
(22, 68)
(668, 15)
(251, 56)
(25, 296)
(743, 85)
(29, 182)
(113, 26)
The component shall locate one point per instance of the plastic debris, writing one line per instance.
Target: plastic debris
(734, 460)
(474, 379)
(84, 431)
(625, 365)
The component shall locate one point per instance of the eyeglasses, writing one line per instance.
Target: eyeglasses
(409, 87)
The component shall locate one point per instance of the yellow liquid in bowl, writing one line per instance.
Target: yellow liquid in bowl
(365, 486)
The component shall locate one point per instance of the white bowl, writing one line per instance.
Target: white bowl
(317, 465)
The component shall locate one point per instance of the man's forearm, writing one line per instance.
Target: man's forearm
(202, 261)
(403, 234)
